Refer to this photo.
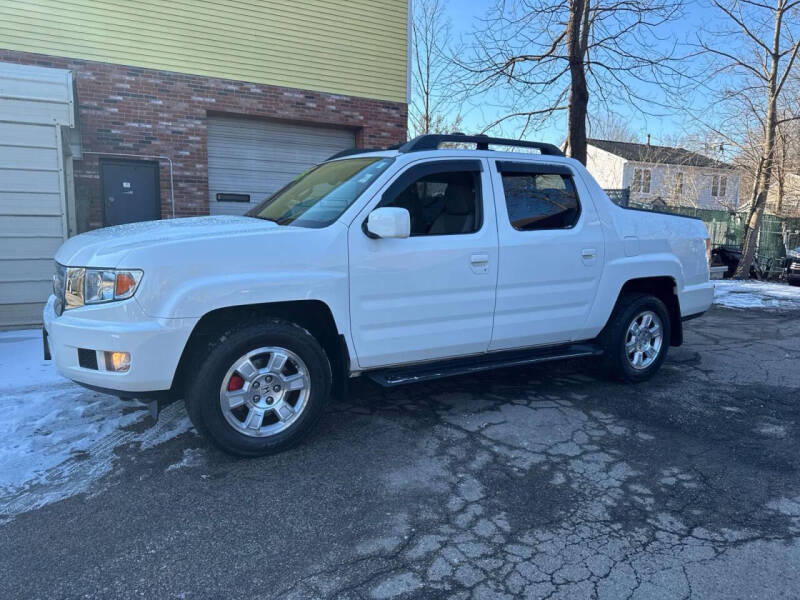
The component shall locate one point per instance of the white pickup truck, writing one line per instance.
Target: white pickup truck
(403, 265)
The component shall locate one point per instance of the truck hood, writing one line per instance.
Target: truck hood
(106, 247)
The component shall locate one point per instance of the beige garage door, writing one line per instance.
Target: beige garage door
(31, 219)
(248, 160)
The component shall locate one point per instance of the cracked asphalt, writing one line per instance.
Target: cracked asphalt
(538, 482)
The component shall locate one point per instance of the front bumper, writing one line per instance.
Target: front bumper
(155, 345)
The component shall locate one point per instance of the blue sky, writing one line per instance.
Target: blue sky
(464, 16)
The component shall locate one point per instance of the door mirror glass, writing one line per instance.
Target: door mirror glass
(389, 222)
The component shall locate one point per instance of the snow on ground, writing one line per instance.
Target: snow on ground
(57, 438)
(755, 294)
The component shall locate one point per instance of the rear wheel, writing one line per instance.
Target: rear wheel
(260, 389)
(637, 337)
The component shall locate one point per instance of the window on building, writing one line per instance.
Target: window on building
(719, 183)
(439, 203)
(641, 181)
(540, 200)
(679, 184)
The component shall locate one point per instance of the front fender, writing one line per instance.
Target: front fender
(198, 296)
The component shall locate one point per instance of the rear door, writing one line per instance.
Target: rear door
(431, 295)
(551, 254)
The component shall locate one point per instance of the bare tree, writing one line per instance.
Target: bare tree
(553, 56)
(432, 108)
(611, 126)
(786, 168)
(752, 60)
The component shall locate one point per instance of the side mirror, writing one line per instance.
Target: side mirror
(389, 222)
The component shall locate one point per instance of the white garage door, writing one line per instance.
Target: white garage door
(249, 160)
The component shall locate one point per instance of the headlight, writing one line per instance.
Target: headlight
(95, 286)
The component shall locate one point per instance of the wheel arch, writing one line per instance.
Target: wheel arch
(664, 288)
(313, 315)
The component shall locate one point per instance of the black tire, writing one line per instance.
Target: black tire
(613, 339)
(212, 365)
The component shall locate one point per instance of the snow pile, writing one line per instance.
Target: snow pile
(756, 294)
(57, 438)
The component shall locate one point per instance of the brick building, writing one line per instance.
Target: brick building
(190, 108)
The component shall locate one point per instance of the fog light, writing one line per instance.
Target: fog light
(118, 361)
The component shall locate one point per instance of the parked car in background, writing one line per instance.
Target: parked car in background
(729, 256)
(793, 266)
(402, 265)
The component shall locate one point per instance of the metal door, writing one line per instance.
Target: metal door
(130, 191)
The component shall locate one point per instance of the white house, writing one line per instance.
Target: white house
(663, 175)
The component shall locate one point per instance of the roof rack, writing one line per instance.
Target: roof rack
(433, 140)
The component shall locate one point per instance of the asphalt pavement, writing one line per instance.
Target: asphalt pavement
(538, 482)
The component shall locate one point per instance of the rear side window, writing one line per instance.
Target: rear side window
(540, 200)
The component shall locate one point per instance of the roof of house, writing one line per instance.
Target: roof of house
(657, 154)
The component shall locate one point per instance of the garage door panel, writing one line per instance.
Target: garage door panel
(21, 315)
(278, 165)
(20, 157)
(30, 247)
(19, 203)
(260, 157)
(26, 269)
(20, 292)
(25, 135)
(41, 112)
(33, 180)
(33, 226)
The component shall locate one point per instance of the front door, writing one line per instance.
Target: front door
(130, 191)
(552, 255)
(431, 295)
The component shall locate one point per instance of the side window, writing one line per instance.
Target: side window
(540, 200)
(440, 203)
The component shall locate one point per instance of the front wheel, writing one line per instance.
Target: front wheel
(260, 389)
(637, 337)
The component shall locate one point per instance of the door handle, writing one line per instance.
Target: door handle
(480, 263)
(588, 253)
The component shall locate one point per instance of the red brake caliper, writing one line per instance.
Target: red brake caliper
(235, 383)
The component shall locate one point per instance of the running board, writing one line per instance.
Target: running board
(474, 364)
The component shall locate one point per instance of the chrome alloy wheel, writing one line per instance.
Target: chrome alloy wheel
(643, 339)
(265, 391)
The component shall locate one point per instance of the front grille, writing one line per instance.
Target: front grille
(59, 286)
(795, 266)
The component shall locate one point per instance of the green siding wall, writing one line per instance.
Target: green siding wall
(352, 47)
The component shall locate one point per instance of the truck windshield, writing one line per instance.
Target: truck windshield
(319, 196)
